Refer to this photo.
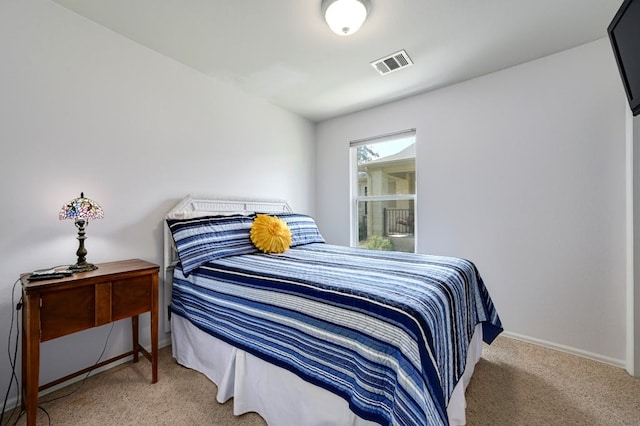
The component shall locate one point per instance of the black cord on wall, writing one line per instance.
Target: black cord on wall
(84, 379)
(15, 319)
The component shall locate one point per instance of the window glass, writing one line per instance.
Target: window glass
(384, 193)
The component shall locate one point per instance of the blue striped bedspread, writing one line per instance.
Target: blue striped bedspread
(387, 331)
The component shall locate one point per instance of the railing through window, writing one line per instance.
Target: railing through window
(398, 221)
(362, 228)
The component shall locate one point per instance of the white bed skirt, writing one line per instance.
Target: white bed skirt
(278, 395)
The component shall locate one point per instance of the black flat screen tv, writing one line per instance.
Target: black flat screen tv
(624, 34)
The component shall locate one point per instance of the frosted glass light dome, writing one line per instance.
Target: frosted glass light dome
(344, 17)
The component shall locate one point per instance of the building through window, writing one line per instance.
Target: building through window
(384, 192)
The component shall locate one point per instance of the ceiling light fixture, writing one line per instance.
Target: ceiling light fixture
(345, 17)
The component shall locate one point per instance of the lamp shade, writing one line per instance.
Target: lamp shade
(81, 208)
(345, 17)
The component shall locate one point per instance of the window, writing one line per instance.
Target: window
(384, 192)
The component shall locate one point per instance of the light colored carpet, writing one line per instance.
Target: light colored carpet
(515, 383)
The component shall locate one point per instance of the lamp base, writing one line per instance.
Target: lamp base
(83, 267)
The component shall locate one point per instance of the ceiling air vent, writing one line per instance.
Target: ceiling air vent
(393, 62)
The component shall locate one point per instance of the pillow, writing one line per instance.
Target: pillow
(202, 239)
(270, 234)
(303, 229)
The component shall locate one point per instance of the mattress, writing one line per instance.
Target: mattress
(392, 335)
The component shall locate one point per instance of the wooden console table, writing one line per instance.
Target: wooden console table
(57, 307)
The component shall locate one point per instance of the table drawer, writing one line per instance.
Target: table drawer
(66, 311)
(131, 297)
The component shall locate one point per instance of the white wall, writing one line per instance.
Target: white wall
(83, 109)
(523, 172)
(633, 243)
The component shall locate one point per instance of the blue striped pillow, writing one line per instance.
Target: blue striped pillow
(202, 239)
(303, 229)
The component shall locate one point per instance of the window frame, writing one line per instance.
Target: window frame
(355, 198)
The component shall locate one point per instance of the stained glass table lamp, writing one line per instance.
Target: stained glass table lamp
(81, 210)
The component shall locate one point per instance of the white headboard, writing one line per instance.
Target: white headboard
(195, 205)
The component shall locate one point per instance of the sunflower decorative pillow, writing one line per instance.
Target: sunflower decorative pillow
(270, 234)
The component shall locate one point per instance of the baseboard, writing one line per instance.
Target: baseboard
(567, 349)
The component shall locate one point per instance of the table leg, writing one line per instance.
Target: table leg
(31, 357)
(23, 376)
(134, 333)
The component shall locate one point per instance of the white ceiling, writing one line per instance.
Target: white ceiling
(283, 51)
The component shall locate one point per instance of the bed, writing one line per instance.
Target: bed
(321, 334)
